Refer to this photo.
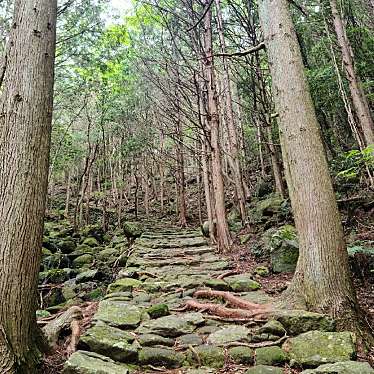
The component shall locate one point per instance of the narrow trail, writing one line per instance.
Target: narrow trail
(141, 325)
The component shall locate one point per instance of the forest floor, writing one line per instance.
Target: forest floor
(142, 323)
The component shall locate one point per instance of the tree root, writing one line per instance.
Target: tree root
(224, 312)
(258, 345)
(67, 320)
(233, 300)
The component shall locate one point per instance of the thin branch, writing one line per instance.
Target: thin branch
(246, 52)
(206, 10)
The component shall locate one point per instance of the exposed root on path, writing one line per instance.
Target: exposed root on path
(224, 312)
(231, 299)
(259, 345)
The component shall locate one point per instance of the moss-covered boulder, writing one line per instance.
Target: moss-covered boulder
(133, 230)
(82, 362)
(91, 242)
(88, 275)
(111, 342)
(161, 357)
(207, 355)
(188, 340)
(314, 348)
(272, 327)
(264, 369)
(66, 246)
(242, 283)
(241, 355)
(299, 321)
(284, 251)
(54, 276)
(119, 314)
(270, 356)
(124, 285)
(108, 255)
(158, 310)
(270, 206)
(346, 367)
(83, 261)
(229, 334)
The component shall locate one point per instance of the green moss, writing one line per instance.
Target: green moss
(158, 310)
(270, 356)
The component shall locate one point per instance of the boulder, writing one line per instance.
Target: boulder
(83, 261)
(158, 310)
(299, 321)
(87, 276)
(188, 340)
(119, 314)
(91, 242)
(264, 369)
(346, 367)
(111, 342)
(82, 362)
(269, 206)
(229, 334)
(208, 355)
(270, 356)
(54, 276)
(66, 245)
(284, 251)
(173, 326)
(150, 340)
(124, 285)
(314, 348)
(242, 283)
(272, 327)
(241, 355)
(108, 254)
(217, 284)
(161, 357)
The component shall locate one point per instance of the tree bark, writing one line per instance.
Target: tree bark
(26, 114)
(223, 235)
(359, 100)
(322, 280)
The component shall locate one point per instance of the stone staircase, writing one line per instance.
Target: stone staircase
(141, 327)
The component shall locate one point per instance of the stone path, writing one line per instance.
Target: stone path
(137, 327)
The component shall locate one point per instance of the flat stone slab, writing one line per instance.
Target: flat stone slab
(119, 314)
(229, 334)
(174, 325)
(314, 348)
(347, 367)
(82, 362)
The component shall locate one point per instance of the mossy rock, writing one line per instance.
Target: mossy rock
(272, 327)
(111, 342)
(314, 348)
(82, 362)
(229, 334)
(150, 340)
(119, 314)
(264, 369)
(91, 242)
(299, 321)
(133, 230)
(217, 284)
(167, 358)
(241, 355)
(208, 355)
(54, 276)
(262, 271)
(158, 310)
(42, 314)
(108, 255)
(269, 206)
(88, 275)
(347, 367)
(242, 283)
(270, 356)
(124, 285)
(189, 340)
(67, 246)
(83, 261)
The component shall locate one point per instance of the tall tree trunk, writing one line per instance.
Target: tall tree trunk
(232, 131)
(359, 100)
(223, 235)
(322, 280)
(26, 115)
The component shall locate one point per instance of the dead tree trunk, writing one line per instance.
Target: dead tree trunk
(26, 113)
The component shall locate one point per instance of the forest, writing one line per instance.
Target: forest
(186, 186)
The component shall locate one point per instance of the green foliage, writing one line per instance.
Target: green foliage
(355, 163)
